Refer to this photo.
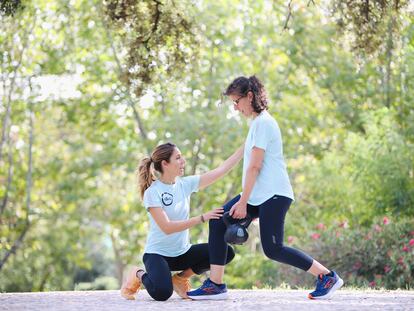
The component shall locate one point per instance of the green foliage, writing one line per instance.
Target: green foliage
(369, 21)
(349, 159)
(380, 256)
(159, 36)
(100, 283)
(370, 175)
(9, 7)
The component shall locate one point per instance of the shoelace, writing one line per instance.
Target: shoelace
(187, 283)
(205, 284)
(321, 281)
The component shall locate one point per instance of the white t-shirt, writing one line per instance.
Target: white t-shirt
(175, 200)
(273, 179)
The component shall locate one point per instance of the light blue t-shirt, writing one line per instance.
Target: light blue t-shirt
(273, 179)
(175, 200)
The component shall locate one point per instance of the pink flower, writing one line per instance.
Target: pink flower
(338, 234)
(315, 236)
(387, 269)
(411, 242)
(378, 228)
(290, 239)
(320, 226)
(385, 220)
(412, 233)
(357, 265)
(372, 284)
(405, 248)
(343, 224)
(400, 261)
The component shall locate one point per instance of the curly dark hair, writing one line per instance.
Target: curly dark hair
(243, 85)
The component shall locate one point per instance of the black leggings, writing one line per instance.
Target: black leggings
(272, 220)
(157, 279)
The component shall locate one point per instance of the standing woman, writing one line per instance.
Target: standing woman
(267, 194)
(167, 200)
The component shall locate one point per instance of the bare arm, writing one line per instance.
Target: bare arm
(256, 161)
(210, 177)
(171, 226)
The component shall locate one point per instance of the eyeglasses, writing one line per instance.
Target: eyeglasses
(238, 99)
(225, 99)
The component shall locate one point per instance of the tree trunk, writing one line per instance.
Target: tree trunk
(9, 180)
(118, 260)
(7, 114)
(22, 235)
(390, 46)
(137, 117)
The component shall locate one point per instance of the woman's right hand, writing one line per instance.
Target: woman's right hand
(213, 214)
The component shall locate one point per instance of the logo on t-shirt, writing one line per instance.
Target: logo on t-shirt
(167, 198)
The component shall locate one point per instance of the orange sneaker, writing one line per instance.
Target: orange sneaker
(131, 285)
(181, 285)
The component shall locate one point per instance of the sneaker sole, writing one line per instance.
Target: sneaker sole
(179, 293)
(222, 296)
(128, 296)
(337, 285)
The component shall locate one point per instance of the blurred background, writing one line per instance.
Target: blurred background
(90, 87)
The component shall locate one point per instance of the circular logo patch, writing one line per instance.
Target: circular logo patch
(167, 198)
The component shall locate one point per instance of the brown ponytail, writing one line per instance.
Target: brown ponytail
(145, 171)
(145, 175)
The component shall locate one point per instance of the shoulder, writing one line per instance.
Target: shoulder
(190, 183)
(186, 178)
(266, 121)
(152, 190)
(267, 117)
(189, 180)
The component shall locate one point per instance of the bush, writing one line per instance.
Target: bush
(371, 174)
(100, 283)
(379, 256)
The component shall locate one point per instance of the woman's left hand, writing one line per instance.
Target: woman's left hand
(238, 210)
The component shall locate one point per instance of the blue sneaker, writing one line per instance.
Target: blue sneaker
(209, 291)
(326, 286)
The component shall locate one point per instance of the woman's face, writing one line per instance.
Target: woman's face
(243, 104)
(176, 165)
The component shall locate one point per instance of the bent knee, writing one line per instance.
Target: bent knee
(162, 294)
(273, 252)
(214, 223)
(230, 254)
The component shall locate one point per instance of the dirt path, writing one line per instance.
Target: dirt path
(252, 300)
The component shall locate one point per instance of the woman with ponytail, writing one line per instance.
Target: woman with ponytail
(166, 197)
(267, 195)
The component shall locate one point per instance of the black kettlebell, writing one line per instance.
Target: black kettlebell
(236, 232)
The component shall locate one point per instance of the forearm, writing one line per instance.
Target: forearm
(251, 176)
(213, 175)
(181, 225)
(234, 158)
(231, 161)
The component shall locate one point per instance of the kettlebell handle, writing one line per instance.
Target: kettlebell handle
(229, 220)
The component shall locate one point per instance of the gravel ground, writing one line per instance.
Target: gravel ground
(252, 300)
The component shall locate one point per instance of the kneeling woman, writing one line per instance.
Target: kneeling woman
(167, 199)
